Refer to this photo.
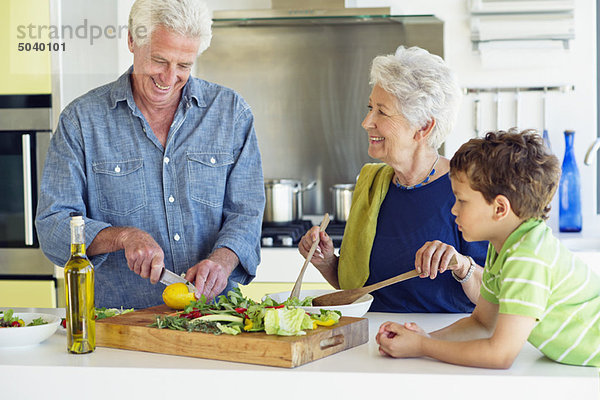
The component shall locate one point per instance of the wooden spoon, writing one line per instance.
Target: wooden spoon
(349, 296)
(296, 290)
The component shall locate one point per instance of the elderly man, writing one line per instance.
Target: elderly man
(164, 167)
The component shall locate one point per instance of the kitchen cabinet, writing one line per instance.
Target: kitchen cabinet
(25, 71)
(27, 293)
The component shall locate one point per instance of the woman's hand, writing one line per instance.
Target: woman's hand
(324, 258)
(324, 255)
(397, 340)
(434, 257)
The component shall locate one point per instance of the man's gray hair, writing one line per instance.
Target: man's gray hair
(423, 86)
(190, 18)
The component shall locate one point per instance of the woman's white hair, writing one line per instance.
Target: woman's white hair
(190, 18)
(424, 87)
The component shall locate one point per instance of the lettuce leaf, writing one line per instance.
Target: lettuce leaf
(285, 321)
(327, 315)
(229, 329)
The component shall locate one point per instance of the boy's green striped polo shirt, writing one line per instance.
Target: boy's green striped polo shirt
(535, 275)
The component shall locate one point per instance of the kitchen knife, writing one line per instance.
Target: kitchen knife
(168, 277)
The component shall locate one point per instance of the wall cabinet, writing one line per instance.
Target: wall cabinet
(27, 293)
(25, 71)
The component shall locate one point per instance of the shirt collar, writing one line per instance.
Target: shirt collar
(496, 259)
(121, 91)
(193, 90)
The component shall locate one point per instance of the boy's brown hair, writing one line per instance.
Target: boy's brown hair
(516, 165)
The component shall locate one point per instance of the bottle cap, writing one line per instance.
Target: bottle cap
(75, 214)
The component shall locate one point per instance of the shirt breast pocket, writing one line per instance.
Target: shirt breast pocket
(121, 188)
(207, 177)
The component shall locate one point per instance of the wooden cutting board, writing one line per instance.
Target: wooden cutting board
(130, 331)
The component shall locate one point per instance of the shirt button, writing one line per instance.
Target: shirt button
(117, 169)
(177, 237)
(171, 199)
(212, 160)
(166, 160)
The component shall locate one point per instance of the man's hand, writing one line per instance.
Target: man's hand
(210, 275)
(144, 256)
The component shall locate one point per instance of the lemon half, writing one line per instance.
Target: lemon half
(177, 296)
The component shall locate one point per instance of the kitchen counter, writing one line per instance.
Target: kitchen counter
(48, 371)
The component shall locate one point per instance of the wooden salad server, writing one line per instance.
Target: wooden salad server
(296, 290)
(349, 296)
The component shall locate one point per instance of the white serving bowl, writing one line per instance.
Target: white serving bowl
(356, 309)
(29, 335)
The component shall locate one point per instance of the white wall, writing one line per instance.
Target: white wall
(577, 66)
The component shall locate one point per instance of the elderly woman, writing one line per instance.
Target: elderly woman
(400, 217)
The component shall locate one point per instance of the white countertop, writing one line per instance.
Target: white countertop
(48, 371)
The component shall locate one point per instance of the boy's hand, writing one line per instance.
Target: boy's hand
(396, 340)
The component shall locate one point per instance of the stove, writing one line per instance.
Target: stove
(289, 234)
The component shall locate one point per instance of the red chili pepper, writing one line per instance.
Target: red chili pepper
(63, 323)
(192, 314)
(241, 310)
(279, 306)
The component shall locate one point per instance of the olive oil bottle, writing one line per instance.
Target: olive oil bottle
(79, 290)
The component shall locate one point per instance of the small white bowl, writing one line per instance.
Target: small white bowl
(29, 335)
(356, 309)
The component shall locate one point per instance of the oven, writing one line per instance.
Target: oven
(25, 131)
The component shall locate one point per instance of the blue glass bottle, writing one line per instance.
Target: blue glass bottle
(569, 190)
(547, 140)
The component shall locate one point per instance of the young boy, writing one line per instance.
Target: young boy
(533, 288)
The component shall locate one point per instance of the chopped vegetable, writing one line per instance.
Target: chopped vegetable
(37, 321)
(287, 321)
(7, 320)
(230, 330)
(104, 312)
(221, 317)
(101, 313)
(235, 313)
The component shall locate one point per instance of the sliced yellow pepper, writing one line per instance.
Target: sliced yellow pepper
(248, 324)
(329, 322)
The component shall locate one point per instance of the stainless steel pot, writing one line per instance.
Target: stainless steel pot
(284, 200)
(342, 200)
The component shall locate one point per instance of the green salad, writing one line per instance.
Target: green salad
(8, 320)
(234, 313)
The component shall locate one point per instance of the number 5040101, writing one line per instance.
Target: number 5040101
(41, 46)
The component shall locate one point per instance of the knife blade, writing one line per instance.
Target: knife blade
(168, 277)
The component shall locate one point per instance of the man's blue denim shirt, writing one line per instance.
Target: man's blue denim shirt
(203, 191)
